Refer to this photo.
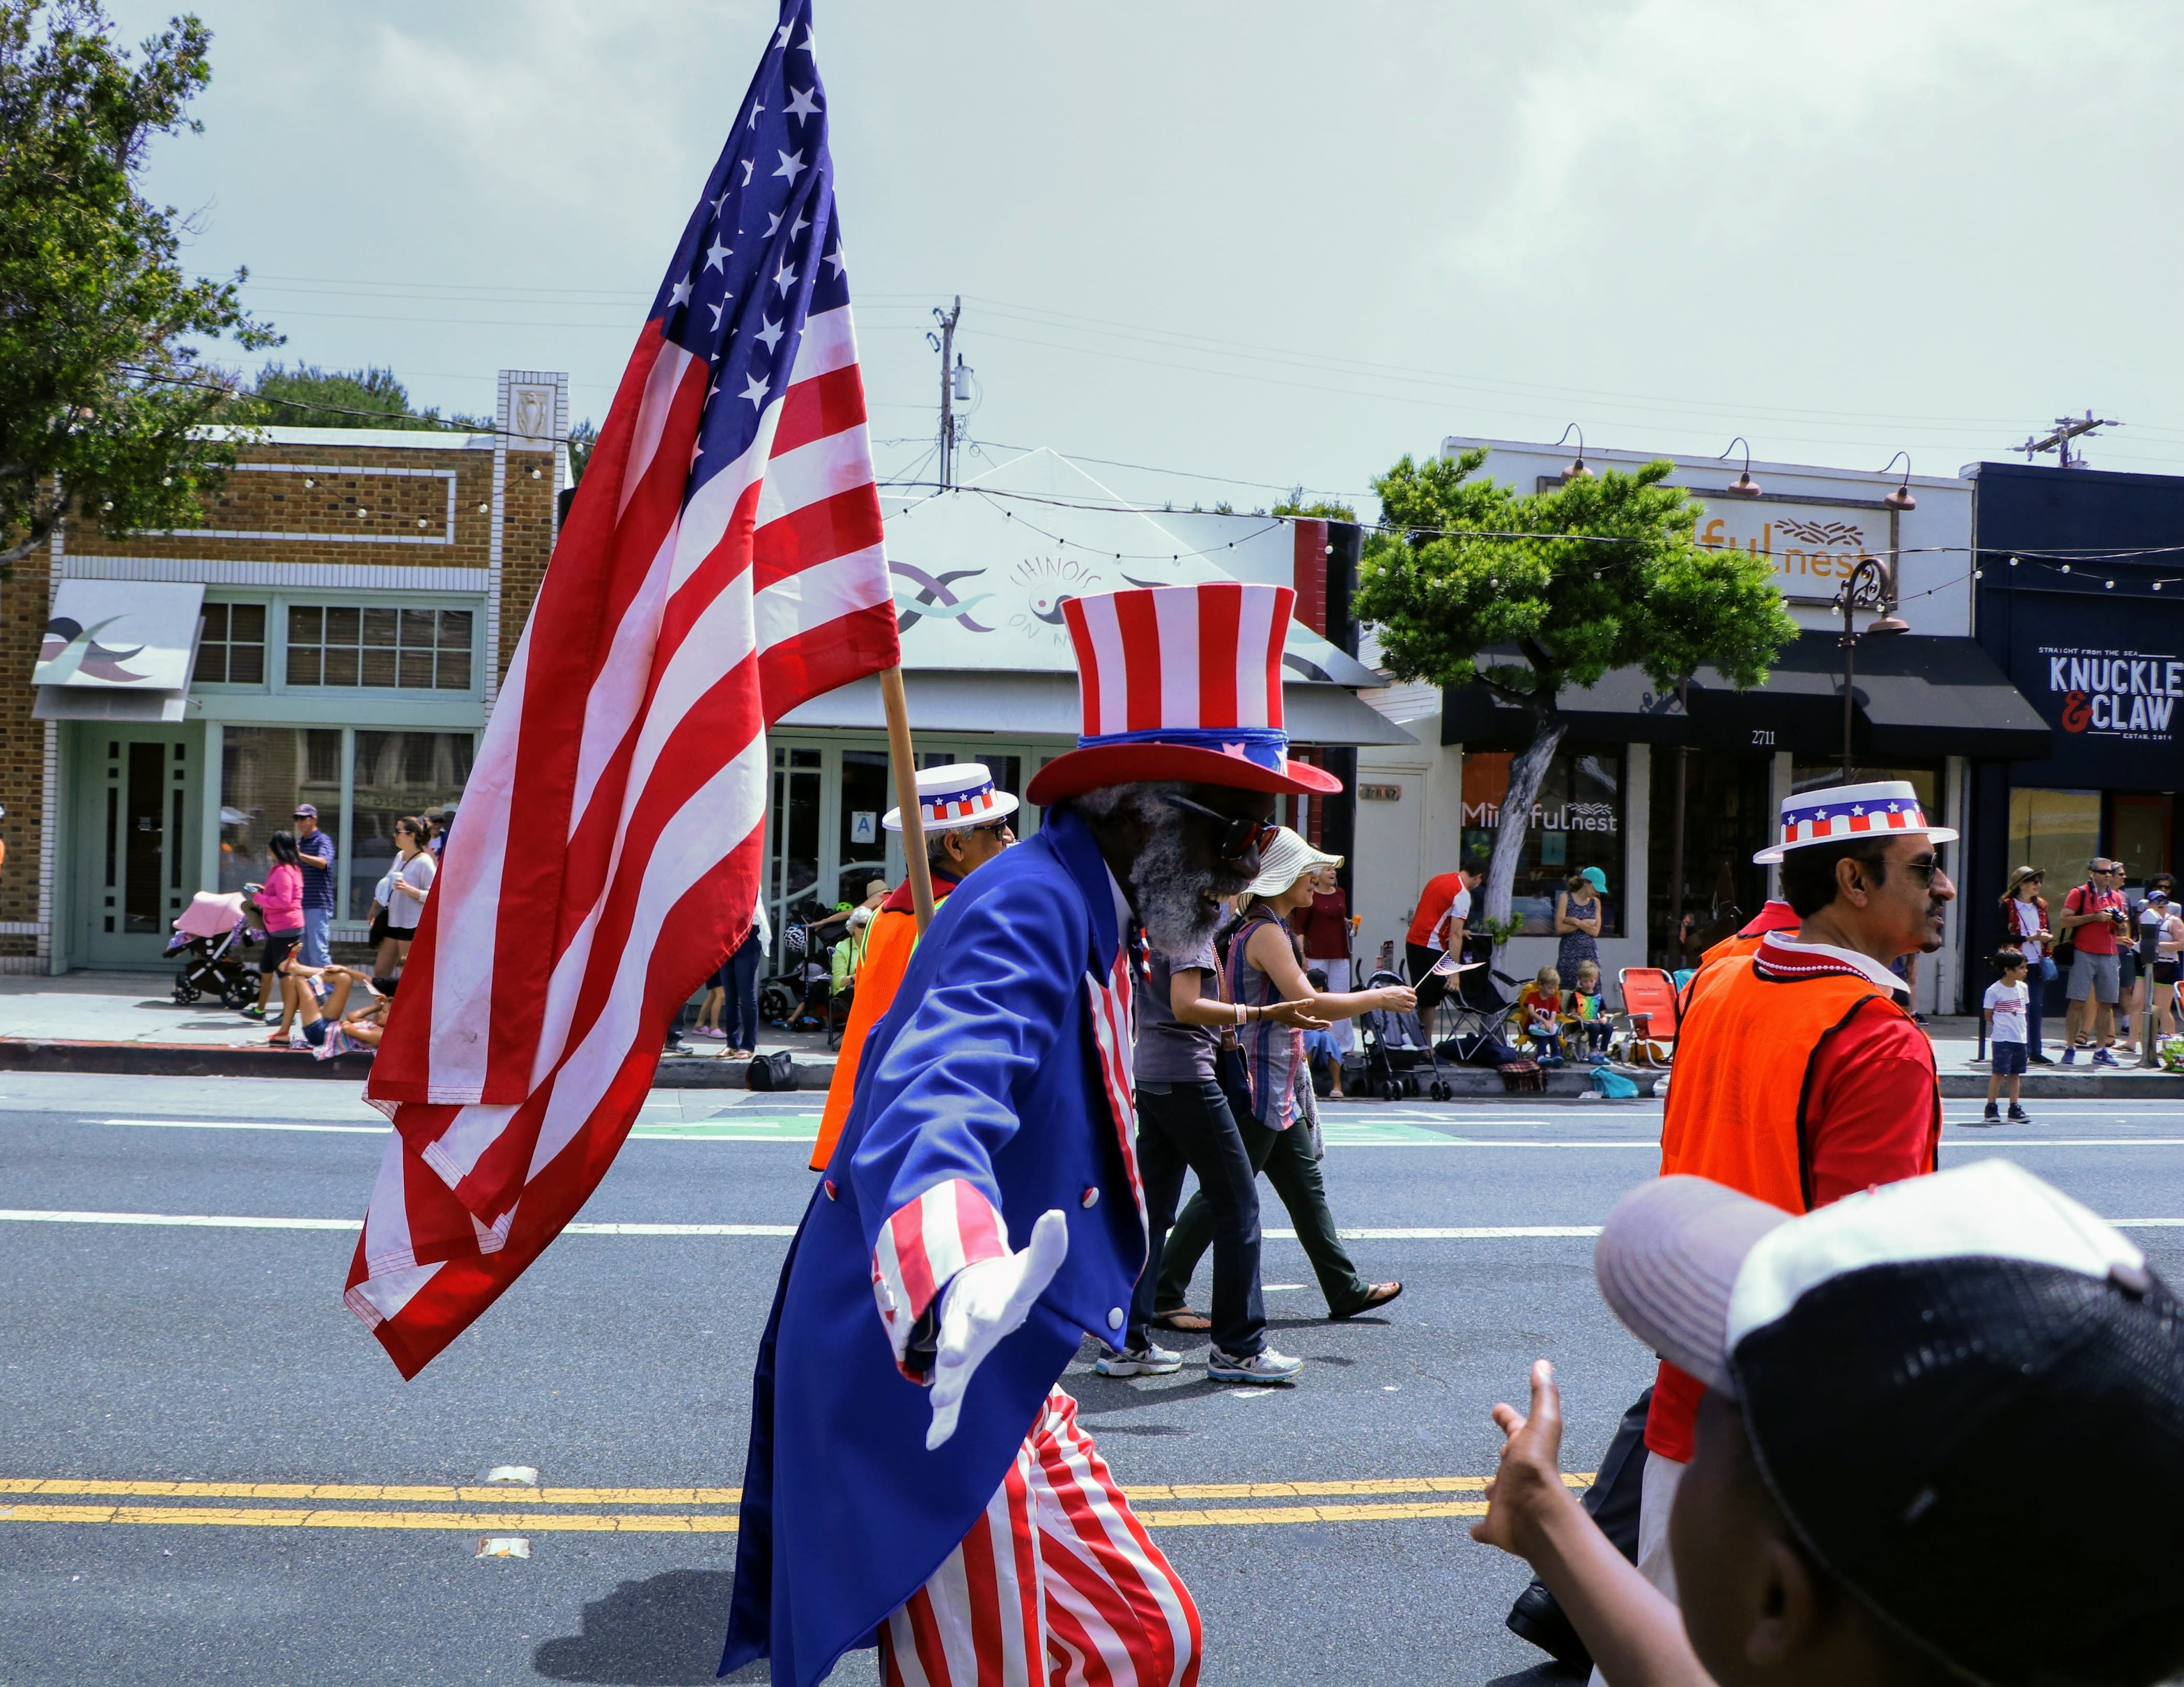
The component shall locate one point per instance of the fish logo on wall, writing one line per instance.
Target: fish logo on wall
(934, 598)
(1048, 582)
(76, 650)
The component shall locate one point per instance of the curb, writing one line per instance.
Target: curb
(174, 1059)
(193, 1060)
(2096, 1085)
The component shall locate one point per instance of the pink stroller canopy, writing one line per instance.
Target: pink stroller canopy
(211, 913)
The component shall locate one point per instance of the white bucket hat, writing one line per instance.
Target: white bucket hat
(1285, 861)
(1840, 814)
(956, 798)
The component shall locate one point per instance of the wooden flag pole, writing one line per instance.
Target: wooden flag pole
(905, 794)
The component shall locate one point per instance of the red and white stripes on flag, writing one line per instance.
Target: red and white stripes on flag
(608, 855)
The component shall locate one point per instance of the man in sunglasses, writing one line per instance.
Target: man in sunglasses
(1800, 1075)
(967, 822)
(983, 1207)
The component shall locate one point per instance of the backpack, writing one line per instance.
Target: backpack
(2066, 942)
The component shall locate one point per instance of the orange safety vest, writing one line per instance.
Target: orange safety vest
(889, 942)
(1746, 1049)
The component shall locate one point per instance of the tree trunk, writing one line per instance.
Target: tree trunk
(1528, 771)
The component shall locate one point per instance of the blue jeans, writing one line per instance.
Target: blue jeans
(315, 923)
(742, 1027)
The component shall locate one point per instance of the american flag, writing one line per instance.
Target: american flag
(721, 564)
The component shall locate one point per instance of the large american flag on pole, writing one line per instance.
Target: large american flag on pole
(721, 564)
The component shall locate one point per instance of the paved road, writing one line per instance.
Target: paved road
(140, 1354)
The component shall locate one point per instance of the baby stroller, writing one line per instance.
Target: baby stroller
(212, 938)
(1394, 1044)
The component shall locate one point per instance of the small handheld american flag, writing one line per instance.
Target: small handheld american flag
(721, 564)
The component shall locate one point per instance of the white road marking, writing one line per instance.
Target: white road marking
(245, 1125)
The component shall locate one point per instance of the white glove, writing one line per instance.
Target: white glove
(982, 1304)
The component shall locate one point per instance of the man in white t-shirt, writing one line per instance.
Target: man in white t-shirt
(2006, 1003)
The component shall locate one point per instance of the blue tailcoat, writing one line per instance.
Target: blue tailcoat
(984, 1069)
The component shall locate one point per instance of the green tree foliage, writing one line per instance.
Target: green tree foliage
(308, 397)
(1528, 593)
(101, 381)
(1322, 510)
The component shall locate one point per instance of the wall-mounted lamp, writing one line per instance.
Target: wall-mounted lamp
(1743, 486)
(1577, 470)
(1900, 499)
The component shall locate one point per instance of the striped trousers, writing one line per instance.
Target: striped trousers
(1057, 1585)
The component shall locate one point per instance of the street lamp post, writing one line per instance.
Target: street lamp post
(1871, 586)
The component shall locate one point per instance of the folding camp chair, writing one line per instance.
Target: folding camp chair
(1652, 1009)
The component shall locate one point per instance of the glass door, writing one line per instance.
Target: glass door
(792, 872)
(138, 808)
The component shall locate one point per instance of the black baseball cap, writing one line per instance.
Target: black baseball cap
(1966, 1394)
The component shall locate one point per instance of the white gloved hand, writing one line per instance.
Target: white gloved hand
(982, 1304)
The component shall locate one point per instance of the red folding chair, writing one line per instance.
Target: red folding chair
(1651, 1006)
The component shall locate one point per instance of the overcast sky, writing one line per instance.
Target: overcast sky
(1280, 243)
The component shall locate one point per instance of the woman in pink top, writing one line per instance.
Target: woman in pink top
(280, 906)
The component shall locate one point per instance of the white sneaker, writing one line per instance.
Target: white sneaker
(1266, 1366)
(1155, 1361)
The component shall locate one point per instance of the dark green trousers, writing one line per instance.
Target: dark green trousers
(1285, 1156)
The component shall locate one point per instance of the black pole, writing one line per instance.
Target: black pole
(1676, 831)
(1850, 680)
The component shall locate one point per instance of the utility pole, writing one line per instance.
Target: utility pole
(2067, 428)
(944, 343)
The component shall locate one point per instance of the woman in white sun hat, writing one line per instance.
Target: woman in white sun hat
(1263, 968)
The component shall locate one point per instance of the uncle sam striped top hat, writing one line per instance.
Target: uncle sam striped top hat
(1842, 814)
(1180, 683)
(954, 798)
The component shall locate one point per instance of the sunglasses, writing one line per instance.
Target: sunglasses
(995, 828)
(1235, 836)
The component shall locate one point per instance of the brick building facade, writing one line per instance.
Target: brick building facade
(363, 592)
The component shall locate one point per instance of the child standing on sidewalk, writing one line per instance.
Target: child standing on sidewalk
(2006, 1005)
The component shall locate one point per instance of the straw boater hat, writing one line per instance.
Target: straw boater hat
(1841, 814)
(955, 798)
(1180, 683)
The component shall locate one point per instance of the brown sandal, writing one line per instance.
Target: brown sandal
(1379, 1295)
(1184, 1320)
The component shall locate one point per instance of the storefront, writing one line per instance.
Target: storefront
(333, 635)
(1926, 706)
(981, 574)
(2081, 574)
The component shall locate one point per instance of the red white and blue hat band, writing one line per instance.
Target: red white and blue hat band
(960, 794)
(1180, 683)
(1843, 813)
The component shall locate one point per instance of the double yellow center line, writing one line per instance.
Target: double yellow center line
(710, 1510)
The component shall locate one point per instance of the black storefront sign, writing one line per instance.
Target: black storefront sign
(2108, 677)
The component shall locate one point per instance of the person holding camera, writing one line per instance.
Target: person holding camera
(2094, 916)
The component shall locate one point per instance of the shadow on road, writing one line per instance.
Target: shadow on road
(664, 1631)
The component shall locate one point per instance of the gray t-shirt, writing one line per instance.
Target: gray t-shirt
(1167, 1052)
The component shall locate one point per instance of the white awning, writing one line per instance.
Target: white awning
(118, 650)
(1018, 704)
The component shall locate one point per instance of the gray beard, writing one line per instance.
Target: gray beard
(1176, 902)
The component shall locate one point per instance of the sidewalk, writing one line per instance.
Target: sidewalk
(1964, 1070)
(130, 1022)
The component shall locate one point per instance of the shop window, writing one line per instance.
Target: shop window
(867, 793)
(1577, 823)
(2057, 831)
(397, 649)
(2140, 835)
(265, 771)
(231, 645)
(395, 775)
